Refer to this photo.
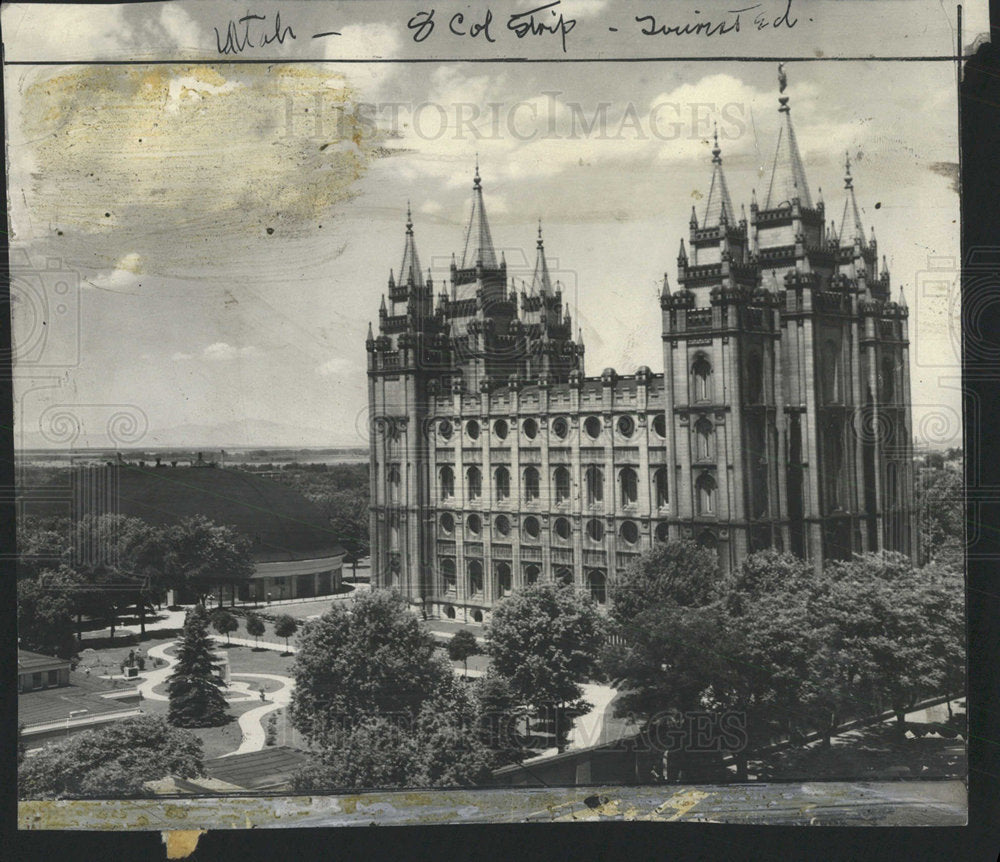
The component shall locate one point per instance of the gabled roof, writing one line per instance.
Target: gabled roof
(478, 241)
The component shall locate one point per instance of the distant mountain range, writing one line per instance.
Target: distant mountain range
(249, 433)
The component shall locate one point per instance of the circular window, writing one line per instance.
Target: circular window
(445, 429)
(530, 427)
(449, 612)
(626, 426)
(629, 532)
(662, 532)
(563, 528)
(595, 530)
(593, 427)
(660, 425)
(500, 429)
(532, 527)
(475, 524)
(560, 427)
(502, 524)
(447, 523)
(472, 429)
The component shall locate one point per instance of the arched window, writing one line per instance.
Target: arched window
(564, 576)
(449, 612)
(394, 483)
(393, 531)
(755, 378)
(561, 483)
(662, 489)
(704, 440)
(701, 380)
(595, 486)
(706, 487)
(532, 484)
(829, 372)
(448, 579)
(474, 482)
(531, 575)
(502, 481)
(887, 379)
(597, 583)
(503, 579)
(447, 483)
(475, 577)
(708, 539)
(628, 482)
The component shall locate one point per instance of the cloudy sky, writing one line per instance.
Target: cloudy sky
(231, 228)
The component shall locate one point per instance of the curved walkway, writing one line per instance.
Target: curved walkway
(251, 722)
(155, 677)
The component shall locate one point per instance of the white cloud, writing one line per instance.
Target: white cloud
(220, 351)
(334, 367)
(124, 278)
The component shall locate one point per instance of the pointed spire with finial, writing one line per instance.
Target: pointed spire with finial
(478, 241)
(851, 212)
(694, 219)
(788, 175)
(665, 291)
(902, 297)
(540, 280)
(719, 205)
(682, 254)
(409, 270)
(371, 335)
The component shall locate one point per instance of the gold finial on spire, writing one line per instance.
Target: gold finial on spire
(782, 78)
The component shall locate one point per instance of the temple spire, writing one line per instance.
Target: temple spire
(851, 213)
(540, 280)
(719, 206)
(478, 241)
(409, 270)
(788, 175)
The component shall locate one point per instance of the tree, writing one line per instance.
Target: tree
(255, 627)
(544, 639)
(43, 544)
(202, 556)
(194, 687)
(285, 627)
(225, 624)
(111, 761)
(941, 512)
(45, 607)
(373, 659)
(462, 645)
(681, 573)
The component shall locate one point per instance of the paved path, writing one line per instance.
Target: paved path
(589, 728)
(252, 721)
(250, 642)
(153, 678)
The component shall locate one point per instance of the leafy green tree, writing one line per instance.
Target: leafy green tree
(462, 645)
(369, 660)
(45, 608)
(680, 573)
(202, 556)
(194, 687)
(255, 627)
(941, 513)
(43, 544)
(544, 639)
(111, 761)
(285, 627)
(225, 624)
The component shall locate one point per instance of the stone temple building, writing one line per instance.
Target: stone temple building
(782, 417)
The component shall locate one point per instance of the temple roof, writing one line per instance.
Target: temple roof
(852, 216)
(478, 241)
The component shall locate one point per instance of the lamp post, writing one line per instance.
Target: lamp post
(73, 714)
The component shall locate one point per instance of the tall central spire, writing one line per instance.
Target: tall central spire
(409, 269)
(788, 176)
(540, 282)
(719, 203)
(478, 242)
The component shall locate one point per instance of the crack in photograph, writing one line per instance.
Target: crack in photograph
(571, 439)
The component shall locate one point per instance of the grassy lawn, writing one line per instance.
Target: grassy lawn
(246, 659)
(217, 740)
